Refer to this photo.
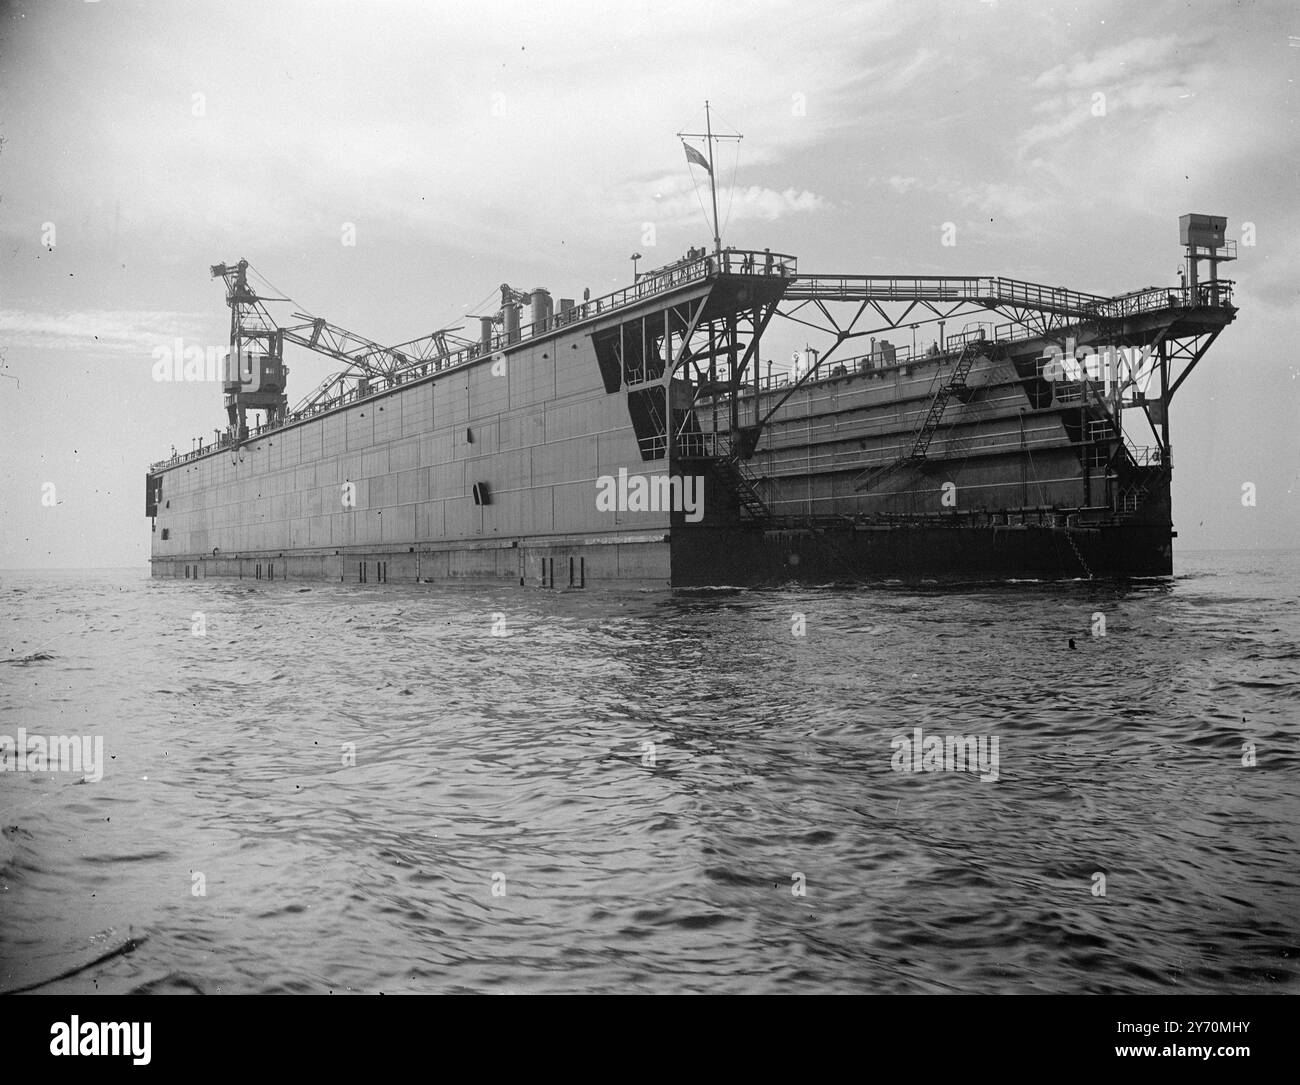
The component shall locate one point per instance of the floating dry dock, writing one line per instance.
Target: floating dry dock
(633, 439)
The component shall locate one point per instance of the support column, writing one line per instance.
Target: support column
(713, 375)
(667, 380)
(1166, 452)
(737, 378)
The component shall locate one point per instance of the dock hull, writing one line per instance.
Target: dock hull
(739, 555)
(632, 443)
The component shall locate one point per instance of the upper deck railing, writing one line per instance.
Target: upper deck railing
(648, 285)
(672, 277)
(1211, 295)
(995, 291)
(984, 290)
(981, 289)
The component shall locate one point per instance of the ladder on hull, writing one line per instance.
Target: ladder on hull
(921, 442)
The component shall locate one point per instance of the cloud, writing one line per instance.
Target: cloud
(1124, 62)
(464, 128)
(1071, 116)
(906, 74)
(672, 200)
(1123, 86)
(1002, 201)
(766, 204)
(109, 331)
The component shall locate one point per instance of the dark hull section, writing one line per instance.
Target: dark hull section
(919, 552)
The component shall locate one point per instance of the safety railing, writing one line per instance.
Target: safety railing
(673, 276)
(1225, 251)
(185, 457)
(986, 290)
(692, 445)
(648, 284)
(1144, 455)
(883, 288)
(1211, 295)
(1100, 429)
(1054, 299)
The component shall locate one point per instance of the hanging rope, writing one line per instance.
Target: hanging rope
(731, 190)
(487, 299)
(735, 169)
(275, 289)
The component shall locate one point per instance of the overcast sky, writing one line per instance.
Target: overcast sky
(534, 143)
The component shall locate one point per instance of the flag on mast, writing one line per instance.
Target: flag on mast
(692, 155)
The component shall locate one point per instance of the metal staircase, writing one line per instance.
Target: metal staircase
(737, 477)
(955, 383)
(717, 448)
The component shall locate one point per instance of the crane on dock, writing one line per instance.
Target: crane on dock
(256, 375)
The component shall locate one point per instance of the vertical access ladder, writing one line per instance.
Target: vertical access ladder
(921, 442)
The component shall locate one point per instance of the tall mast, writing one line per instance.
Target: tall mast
(713, 181)
(708, 136)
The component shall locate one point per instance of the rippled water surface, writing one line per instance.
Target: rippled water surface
(507, 827)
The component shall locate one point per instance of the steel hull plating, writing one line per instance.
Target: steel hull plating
(915, 553)
(738, 555)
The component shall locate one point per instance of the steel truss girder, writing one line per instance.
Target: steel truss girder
(250, 321)
(903, 318)
(724, 338)
(991, 291)
(371, 358)
(718, 346)
(685, 331)
(1190, 354)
